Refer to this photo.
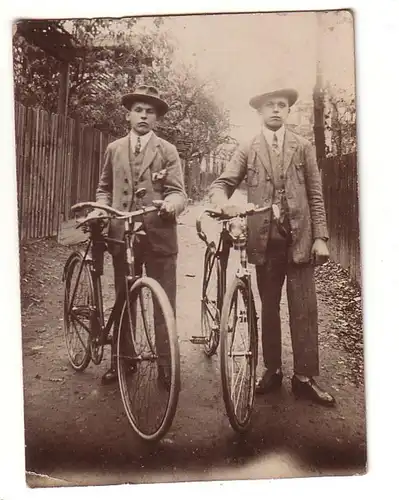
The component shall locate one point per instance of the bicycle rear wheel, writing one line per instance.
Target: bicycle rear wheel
(210, 314)
(78, 308)
(148, 360)
(238, 354)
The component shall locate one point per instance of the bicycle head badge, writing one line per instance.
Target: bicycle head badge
(237, 228)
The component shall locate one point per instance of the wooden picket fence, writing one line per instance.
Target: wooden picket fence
(59, 161)
(340, 186)
(58, 164)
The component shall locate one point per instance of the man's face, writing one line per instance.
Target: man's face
(142, 117)
(274, 112)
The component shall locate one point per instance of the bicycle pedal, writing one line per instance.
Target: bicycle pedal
(198, 339)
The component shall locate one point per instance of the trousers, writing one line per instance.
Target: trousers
(302, 306)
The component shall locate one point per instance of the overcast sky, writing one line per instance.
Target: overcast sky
(248, 53)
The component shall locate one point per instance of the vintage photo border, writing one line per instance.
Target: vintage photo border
(376, 27)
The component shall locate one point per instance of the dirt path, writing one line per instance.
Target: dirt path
(76, 429)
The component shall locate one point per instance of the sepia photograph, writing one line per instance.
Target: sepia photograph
(189, 248)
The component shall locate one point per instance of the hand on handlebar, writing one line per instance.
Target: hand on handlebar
(97, 214)
(167, 210)
(95, 217)
(232, 210)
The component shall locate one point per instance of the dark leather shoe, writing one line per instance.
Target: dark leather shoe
(310, 390)
(270, 381)
(109, 377)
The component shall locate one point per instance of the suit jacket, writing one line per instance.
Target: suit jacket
(306, 212)
(116, 188)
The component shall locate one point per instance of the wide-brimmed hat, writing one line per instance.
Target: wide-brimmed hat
(148, 94)
(291, 94)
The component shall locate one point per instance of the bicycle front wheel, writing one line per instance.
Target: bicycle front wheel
(148, 360)
(238, 354)
(78, 310)
(210, 313)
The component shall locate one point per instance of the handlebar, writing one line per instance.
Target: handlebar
(111, 212)
(223, 217)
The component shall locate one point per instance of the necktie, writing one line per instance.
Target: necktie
(275, 148)
(280, 182)
(138, 146)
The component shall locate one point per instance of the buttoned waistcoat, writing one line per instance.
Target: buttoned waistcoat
(118, 183)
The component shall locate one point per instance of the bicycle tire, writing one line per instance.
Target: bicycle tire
(248, 351)
(83, 311)
(210, 313)
(138, 357)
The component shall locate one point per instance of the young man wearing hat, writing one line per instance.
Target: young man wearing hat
(285, 242)
(141, 159)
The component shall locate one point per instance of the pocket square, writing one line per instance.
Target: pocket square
(159, 176)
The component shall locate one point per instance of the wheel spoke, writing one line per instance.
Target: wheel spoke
(144, 309)
(211, 311)
(242, 378)
(210, 314)
(75, 317)
(149, 405)
(78, 335)
(78, 304)
(238, 360)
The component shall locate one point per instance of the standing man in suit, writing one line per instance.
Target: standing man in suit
(286, 241)
(143, 160)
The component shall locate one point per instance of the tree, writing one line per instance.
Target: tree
(194, 117)
(104, 64)
(340, 122)
(110, 57)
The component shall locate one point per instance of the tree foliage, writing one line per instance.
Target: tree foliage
(340, 122)
(113, 56)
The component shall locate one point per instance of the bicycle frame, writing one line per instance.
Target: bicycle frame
(93, 254)
(222, 254)
(226, 242)
(239, 243)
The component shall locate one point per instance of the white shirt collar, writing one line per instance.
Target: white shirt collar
(143, 138)
(280, 133)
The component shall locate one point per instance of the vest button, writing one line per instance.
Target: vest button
(124, 205)
(126, 181)
(125, 191)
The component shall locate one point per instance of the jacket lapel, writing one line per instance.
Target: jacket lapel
(290, 146)
(260, 147)
(126, 160)
(149, 154)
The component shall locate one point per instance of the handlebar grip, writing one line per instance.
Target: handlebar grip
(198, 226)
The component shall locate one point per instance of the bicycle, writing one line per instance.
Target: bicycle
(222, 311)
(213, 285)
(148, 359)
